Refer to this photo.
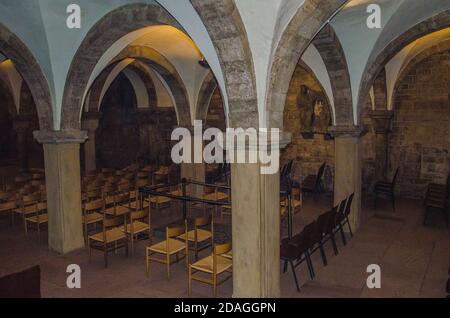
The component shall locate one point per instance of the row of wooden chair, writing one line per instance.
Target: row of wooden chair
(313, 237)
(179, 240)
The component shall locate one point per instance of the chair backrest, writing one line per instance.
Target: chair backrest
(138, 215)
(112, 222)
(331, 220)
(94, 206)
(220, 249)
(176, 230)
(122, 198)
(30, 199)
(348, 206)
(394, 180)
(7, 206)
(320, 173)
(302, 240)
(203, 221)
(321, 225)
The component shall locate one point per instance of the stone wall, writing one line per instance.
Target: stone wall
(126, 134)
(309, 150)
(420, 139)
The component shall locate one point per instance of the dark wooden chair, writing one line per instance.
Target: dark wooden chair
(313, 183)
(25, 284)
(296, 250)
(342, 218)
(386, 188)
(437, 198)
(317, 236)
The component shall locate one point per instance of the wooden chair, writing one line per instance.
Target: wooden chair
(8, 207)
(213, 265)
(139, 224)
(313, 183)
(26, 203)
(110, 239)
(296, 250)
(120, 206)
(36, 214)
(437, 199)
(342, 218)
(92, 214)
(200, 236)
(386, 188)
(168, 248)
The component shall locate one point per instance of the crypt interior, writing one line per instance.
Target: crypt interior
(87, 176)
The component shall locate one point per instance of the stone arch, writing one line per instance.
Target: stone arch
(102, 36)
(377, 61)
(148, 83)
(438, 48)
(13, 48)
(226, 29)
(145, 56)
(332, 53)
(205, 94)
(169, 74)
(299, 33)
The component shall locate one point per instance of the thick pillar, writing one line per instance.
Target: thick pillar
(256, 230)
(348, 164)
(381, 120)
(62, 174)
(90, 124)
(21, 126)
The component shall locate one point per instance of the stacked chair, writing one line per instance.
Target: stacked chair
(436, 198)
(314, 236)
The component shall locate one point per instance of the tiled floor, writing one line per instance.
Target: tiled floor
(414, 262)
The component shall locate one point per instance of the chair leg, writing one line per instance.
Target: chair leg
(295, 275)
(393, 201)
(147, 262)
(168, 265)
(341, 229)
(312, 274)
(90, 252)
(322, 253)
(349, 227)
(39, 233)
(333, 242)
(285, 265)
(375, 201)
(214, 285)
(190, 282)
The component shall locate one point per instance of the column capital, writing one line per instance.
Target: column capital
(60, 136)
(381, 120)
(347, 131)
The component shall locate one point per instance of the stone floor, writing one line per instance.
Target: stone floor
(414, 262)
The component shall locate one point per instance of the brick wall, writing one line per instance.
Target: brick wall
(420, 139)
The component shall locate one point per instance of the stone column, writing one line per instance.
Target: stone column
(348, 165)
(62, 174)
(90, 124)
(381, 120)
(21, 126)
(256, 230)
